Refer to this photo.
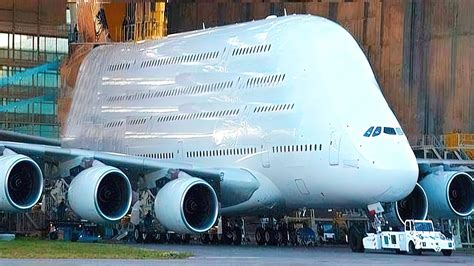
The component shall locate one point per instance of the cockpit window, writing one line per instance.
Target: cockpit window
(389, 131)
(399, 131)
(368, 132)
(377, 131)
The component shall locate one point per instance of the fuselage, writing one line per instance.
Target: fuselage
(290, 98)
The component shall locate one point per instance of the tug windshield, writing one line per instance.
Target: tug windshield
(423, 226)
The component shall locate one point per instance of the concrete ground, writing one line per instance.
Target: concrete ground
(255, 255)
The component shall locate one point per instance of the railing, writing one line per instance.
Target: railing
(139, 31)
(429, 141)
(29, 55)
(457, 140)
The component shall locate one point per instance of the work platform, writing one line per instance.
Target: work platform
(455, 146)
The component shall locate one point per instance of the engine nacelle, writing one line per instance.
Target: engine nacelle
(413, 206)
(100, 194)
(21, 182)
(450, 193)
(187, 205)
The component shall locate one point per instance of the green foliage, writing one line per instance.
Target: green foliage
(32, 248)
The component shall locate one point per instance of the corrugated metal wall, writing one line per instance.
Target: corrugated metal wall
(422, 51)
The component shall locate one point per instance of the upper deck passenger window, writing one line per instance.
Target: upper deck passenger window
(377, 131)
(399, 131)
(389, 131)
(368, 132)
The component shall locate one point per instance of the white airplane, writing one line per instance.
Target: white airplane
(256, 118)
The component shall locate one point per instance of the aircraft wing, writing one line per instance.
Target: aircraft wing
(101, 183)
(127, 163)
(19, 137)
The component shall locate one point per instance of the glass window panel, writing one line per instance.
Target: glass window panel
(389, 131)
(399, 131)
(50, 44)
(42, 44)
(377, 131)
(17, 41)
(368, 132)
(3, 40)
(62, 45)
(26, 42)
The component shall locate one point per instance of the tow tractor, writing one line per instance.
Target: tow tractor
(418, 236)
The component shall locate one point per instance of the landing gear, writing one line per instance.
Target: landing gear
(137, 235)
(226, 236)
(282, 235)
(355, 240)
(213, 239)
(184, 238)
(160, 238)
(205, 239)
(259, 236)
(237, 236)
(270, 238)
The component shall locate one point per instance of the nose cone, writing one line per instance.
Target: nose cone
(399, 172)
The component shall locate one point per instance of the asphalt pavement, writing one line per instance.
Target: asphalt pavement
(256, 255)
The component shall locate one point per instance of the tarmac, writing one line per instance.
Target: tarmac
(257, 255)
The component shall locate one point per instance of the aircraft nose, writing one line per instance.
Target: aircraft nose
(400, 173)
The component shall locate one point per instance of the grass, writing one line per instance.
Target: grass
(33, 248)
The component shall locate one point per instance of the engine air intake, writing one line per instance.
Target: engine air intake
(22, 182)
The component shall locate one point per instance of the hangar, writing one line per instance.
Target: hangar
(419, 51)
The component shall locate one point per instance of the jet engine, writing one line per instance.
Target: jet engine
(450, 193)
(21, 182)
(414, 206)
(100, 194)
(187, 205)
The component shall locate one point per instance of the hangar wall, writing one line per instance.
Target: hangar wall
(421, 51)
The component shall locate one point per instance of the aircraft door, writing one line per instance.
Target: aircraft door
(334, 142)
(179, 151)
(265, 155)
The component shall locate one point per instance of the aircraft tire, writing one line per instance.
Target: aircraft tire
(137, 235)
(205, 239)
(237, 236)
(185, 238)
(259, 236)
(270, 237)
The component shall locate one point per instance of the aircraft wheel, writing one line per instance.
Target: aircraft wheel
(213, 238)
(148, 237)
(160, 238)
(237, 236)
(259, 236)
(185, 238)
(169, 238)
(137, 236)
(282, 237)
(355, 240)
(226, 236)
(270, 238)
(205, 239)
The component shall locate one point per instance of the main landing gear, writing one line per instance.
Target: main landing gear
(277, 235)
(231, 234)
